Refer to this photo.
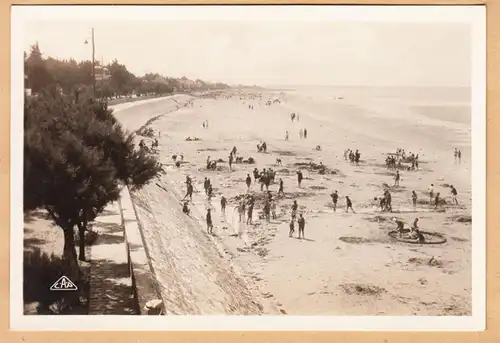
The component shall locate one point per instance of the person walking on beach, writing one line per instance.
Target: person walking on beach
(430, 190)
(210, 225)
(250, 212)
(205, 185)
(349, 204)
(305, 133)
(292, 228)
(286, 135)
(414, 198)
(281, 191)
(301, 133)
(302, 225)
(454, 194)
(189, 192)
(210, 192)
(295, 207)
(299, 178)
(397, 178)
(223, 202)
(248, 182)
(335, 198)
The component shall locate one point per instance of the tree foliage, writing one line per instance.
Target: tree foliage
(70, 77)
(76, 156)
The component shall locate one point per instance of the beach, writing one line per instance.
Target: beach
(347, 264)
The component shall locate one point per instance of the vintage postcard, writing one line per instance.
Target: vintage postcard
(248, 168)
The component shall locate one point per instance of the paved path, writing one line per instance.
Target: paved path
(110, 282)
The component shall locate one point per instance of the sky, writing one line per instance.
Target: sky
(268, 52)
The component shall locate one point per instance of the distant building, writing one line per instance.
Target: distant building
(102, 73)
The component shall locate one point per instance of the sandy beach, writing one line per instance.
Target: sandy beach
(348, 264)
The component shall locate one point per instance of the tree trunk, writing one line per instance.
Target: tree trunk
(82, 227)
(69, 254)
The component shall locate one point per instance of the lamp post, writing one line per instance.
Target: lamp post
(93, 63)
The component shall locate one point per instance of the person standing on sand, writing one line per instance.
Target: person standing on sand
(230, 161)
(292, 228)
(414, 198)
(335, 198)
(210, 225)
(305, 133)
(295, 207)
(286, 135)
(210, 192)
(248, 182)
(397, 178)
(250, 213)
(456, 154)
(299, 178)
(459, 156)
(430, 190)
(267, 211)
(273, 209)
(302, 225)
(349, 204)
(205, 185)
(454, 194)
(281, 191)
(233, 152)
(301, 133)
(241, 210)
(223, 202)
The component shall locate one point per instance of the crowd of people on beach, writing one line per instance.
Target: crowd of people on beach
(267, 177)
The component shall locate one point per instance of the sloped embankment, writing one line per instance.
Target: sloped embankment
(193, 276)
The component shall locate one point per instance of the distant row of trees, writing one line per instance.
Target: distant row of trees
(70, 77)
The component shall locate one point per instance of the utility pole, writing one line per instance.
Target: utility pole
(93, 62)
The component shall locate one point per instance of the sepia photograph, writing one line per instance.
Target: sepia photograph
(248, 167)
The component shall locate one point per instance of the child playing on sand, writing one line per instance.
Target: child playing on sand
(400, 225)
(185, 208)
(292, 228)
(436, 200)
(241, 209)
(273, 209)
(430, 190)
(454, 194)
(302, 225)
(335, 198)
(250, 212)
(349, 204)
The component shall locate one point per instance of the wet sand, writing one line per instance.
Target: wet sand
(348, 265)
